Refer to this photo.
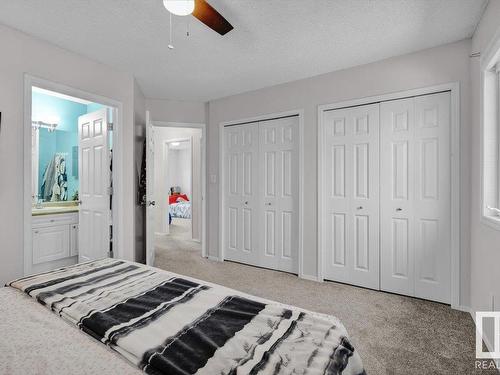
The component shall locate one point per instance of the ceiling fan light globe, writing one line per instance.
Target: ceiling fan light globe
(179, 7)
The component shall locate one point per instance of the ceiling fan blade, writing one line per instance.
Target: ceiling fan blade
(210, 17)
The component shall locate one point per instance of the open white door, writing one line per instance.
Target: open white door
(95, 180)
(150, 199)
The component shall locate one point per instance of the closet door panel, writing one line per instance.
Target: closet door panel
(233, 192)
(364, 194)
(241, 194)
(249, 165)
(415, 200)
(337, 182)
(278, 149)
(432, 197)
(396, 196)
(351, 175)
(270, 181)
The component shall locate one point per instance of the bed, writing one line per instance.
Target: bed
(161, 323)
(179, 206)
(181, 210)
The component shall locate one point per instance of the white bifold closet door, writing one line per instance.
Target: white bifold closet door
(413, 204)
(261, 194)
(351, 192)
(415, 196)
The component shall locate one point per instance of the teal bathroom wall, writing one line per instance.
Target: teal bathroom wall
(64, 140)
(94, 107)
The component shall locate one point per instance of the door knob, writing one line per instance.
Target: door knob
(399, 209)
(151, 203)
(268, 203)
(246, 202)
(360, 208)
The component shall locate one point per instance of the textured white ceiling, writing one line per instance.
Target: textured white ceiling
(274, 41)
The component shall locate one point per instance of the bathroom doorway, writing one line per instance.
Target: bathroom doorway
(69, 204)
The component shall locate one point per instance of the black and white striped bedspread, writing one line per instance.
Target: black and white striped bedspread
(170, 324)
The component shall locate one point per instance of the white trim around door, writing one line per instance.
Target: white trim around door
(29, 82)
(203, 128)
(270, 116)
(454, 89)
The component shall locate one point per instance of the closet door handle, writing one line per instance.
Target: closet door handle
(359, 208)
(246, 202)
(399, 209)
(268, 204)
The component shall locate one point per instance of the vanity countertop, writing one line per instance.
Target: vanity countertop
(55, 208)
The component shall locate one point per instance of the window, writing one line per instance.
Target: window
(490, 111)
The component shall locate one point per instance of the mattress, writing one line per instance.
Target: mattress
(181, 210)
(164, 323)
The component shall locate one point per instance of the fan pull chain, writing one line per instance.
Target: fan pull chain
(188, 24)
(170, 45)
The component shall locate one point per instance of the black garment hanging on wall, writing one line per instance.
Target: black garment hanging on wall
(141, 191)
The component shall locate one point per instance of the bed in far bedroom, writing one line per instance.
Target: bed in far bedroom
(179, 206)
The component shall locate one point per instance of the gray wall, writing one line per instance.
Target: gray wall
(176, 111)
(21, 54)
(485, 241)
(444, 64)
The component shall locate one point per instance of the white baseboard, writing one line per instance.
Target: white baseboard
(212, 258)
(463, 308)
(310, 278)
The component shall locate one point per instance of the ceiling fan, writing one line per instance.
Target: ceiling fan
(201, 10)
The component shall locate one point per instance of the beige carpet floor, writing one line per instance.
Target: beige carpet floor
(393, 334)
(179, 237)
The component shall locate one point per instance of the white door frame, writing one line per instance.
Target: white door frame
(454, 88)
(29, 82)
(169, 124)
(165, 182)
(270, 116)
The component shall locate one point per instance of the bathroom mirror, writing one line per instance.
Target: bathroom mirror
(55, 166)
